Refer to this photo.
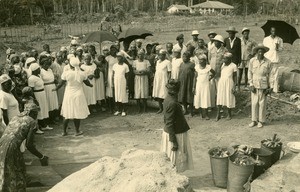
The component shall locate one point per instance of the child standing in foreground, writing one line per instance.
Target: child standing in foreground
(120, 76)
(226, 86)
(100, 76)
(203, 74)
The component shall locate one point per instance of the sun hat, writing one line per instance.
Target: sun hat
(211, 33)
(231, 29)
(219, 38)
(195, 32)
(245, 29)
(260, 46)
(162, 52)
(34, 66)
(227, 55)
(4, 78)
(176, 49)
(181, 36)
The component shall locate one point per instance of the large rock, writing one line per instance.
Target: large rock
(281, 177)
(135, 171)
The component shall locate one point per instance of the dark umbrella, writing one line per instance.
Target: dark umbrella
(99, 36)
(284, 30)
(131, 34)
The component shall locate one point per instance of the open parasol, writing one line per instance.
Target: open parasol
(287, 32)
(131, 34)
(99, 36)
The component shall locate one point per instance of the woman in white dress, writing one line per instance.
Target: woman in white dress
(37, 85)
(141, 69)
(201, 87)
(74, 104)
(8, 103)
(89, 92)
(226, 86)
(111, 60)
(120, 77)
(176, 62)
(100, 80)
(49, 84)
(162, 74)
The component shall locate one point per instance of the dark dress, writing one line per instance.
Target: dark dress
(186, 79)
(12, 166)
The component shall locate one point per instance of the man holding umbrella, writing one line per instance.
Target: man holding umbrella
(261, 84)
(275, 44)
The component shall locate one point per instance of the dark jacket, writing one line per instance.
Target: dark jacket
(174, 119)
(236, 49)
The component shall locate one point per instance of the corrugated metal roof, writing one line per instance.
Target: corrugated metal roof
(180, 7)
(213, 4)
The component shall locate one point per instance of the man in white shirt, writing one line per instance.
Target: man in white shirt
(275, 44)
(180, 40)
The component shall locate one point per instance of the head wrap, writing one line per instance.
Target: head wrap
(162, 51)
(26, 90)
(63, 49)
(202, 56)
(74, 62)
(34, 66)
(227, 55)
(105, 48)
(4, 78)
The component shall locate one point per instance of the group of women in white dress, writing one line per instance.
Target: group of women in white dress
(74, 80)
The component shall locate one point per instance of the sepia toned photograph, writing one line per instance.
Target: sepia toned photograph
(149, 96)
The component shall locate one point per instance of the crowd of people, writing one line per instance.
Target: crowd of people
(183, 78)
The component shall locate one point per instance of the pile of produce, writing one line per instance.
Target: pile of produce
(244, 156)
(272, 142)
(219, 152)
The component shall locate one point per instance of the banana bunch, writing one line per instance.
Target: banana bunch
(219, 152)
(272, 142)
(244, 150)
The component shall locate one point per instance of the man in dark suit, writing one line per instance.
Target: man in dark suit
(233, 45)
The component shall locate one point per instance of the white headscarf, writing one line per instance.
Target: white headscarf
(74, 62)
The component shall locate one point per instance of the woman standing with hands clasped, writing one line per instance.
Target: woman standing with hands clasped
(226, 86)
(141, 68)
(120, 77)
(204, 73)
(175, 137)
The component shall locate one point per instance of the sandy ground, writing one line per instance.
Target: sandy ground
(107, 135)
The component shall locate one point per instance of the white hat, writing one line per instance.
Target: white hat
(34, 66)
(245, 29)
(195, 32)
(219, 38)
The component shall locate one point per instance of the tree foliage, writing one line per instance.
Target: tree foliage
(32, 11)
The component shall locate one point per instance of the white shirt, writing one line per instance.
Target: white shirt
(183, 49)
(231, 41)
(176, 62)
(271, 42)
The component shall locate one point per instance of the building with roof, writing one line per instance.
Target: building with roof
(212, 7)
(178, 9)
